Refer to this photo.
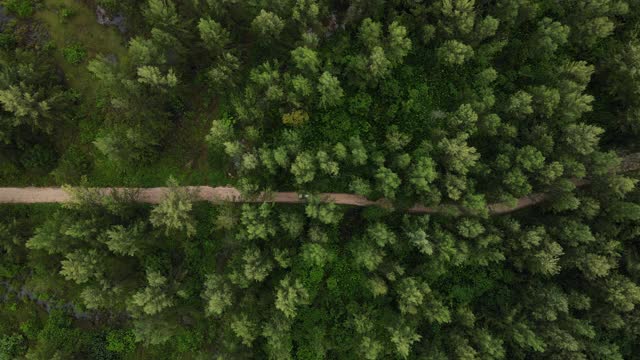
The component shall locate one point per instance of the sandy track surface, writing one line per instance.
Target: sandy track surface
(33, 195)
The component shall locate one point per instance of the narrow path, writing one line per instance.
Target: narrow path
(33, 195)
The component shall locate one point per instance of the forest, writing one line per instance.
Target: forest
(452, 105)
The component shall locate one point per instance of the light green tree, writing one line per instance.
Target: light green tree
(360, 186)
(245, 329)
(326, 164)
(583, 138)
(399, 43)
(315, 254)
(222, 75)
(304, 168)
(331, 92)
(279, 344)
(214, 36)
(80, 266)
(152, 331)
(519, 104)
(152, 76)
(422, 174)
(173, 214)
(370, 33)
(411, 295)
(293, 223)
(216, 294)
(257, 221)
(267, 26)
(161, 13)
(152, 299)
(359, 154)
(290, 295)
(387, 182)
(306, 60)
(453, 52)
(125, 241)
(550, 35)
(403, 337)
(458, 156)
(256, 266)
(326, 213)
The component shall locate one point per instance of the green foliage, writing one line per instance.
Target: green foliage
(38, 157)
(214, 36)
(161, 13)
(21, 8)
(11, 346)
(74, 54)
(290, 295)
(267, 26)
(453, 52)
(121, 341)
(173, 213)
(387, 182)
(464, 107)
(331, 92)
(80, 266)
(217, 295)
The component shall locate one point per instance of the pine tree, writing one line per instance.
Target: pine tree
(173, 213)
(214, 36)
(217, 295)
(81, 266)
(453, 52)
(267, 26)
(331, 92)
(290, 295)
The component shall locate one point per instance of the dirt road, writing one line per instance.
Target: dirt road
(33, 195)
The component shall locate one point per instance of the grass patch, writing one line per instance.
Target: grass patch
(78, 37)
(186, 158)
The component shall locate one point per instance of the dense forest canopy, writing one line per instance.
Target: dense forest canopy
(449, 103)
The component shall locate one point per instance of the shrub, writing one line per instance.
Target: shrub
(121, 341)
(21, 8)
(11, 346)
(74, 163)
(65, 14)
(38, 157)
(74, 54)
(7, 41)
(109, 5)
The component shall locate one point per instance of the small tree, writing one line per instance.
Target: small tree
(214, 36)
(331, 92)
(125, 241)
(388, 182)
(173, 213)
(290, 295)
(304, 168)
(217, 295)
(161, 13)
(453, 52)
(306, 60)
(245, 329)
(152, 299)
(267, 26)
(80, 266)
